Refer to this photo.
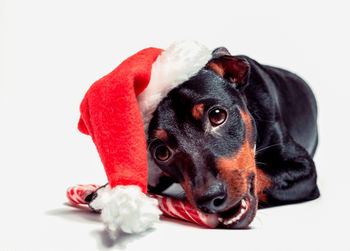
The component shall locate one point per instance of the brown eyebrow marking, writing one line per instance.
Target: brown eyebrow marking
(198, 111)
(161, 134)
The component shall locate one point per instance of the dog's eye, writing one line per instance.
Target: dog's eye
(217, 116)
(162, 153)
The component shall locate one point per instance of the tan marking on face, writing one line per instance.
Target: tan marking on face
(198, 111)
(235, 170)
(248, 125)
(161, 134)
(186, 185)
(263, 182)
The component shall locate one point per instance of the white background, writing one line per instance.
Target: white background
(52, 51)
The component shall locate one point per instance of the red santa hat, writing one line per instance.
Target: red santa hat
(116, 112)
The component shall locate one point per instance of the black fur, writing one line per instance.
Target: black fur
(284, 114)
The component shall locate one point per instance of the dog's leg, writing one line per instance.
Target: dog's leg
(286, 174)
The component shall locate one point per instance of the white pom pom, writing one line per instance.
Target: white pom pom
(126, 208)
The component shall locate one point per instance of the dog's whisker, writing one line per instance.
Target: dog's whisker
(265, 148)
(261, 163)
(247, 167)
(244, 169)
(263, 120)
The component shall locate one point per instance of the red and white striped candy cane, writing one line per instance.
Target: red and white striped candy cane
(77, 194)
(169, 206)
(184, 210)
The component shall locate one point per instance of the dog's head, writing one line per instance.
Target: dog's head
(203, 136)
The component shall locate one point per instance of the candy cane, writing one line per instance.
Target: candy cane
(77, 194)
(184, 210)
(169, 206)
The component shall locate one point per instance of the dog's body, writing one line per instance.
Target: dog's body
(203, 135)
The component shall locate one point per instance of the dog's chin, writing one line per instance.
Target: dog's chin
(240, 215)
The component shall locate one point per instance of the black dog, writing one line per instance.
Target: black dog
(203, 135)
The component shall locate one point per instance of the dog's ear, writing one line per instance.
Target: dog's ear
(219, 52)
(235, 69)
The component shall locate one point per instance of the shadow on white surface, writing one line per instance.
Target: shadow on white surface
(105, 242)
(75, 213)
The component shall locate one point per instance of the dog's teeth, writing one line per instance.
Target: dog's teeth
(229, 222)
(243, 209)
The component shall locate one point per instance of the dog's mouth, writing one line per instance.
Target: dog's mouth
(239, 216)
(242, 213)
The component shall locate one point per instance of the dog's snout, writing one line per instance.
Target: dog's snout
(214, 200)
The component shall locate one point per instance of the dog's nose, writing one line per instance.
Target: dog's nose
(214, 200)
